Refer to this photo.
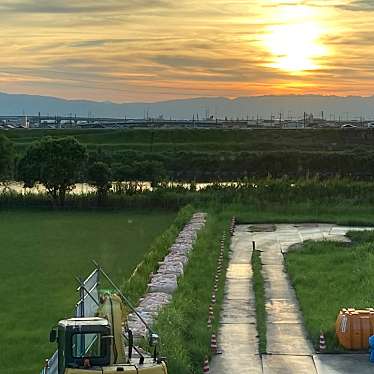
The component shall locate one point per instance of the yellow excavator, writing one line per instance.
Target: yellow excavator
(100, 344)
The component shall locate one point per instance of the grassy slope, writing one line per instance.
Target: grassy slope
(328, 276)
(41, 252)
(206, 140)
(185, 338)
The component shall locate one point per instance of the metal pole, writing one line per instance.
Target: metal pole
(123, 297)
(81, 295)
(88, 292)
(81, 312)
(254, 245)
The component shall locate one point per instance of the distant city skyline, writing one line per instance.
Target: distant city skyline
(156, 50)
(287, 106)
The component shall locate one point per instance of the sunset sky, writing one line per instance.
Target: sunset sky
(151, 50)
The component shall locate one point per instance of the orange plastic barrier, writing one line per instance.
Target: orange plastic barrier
(354, 327)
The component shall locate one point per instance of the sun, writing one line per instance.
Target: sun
(295, 43)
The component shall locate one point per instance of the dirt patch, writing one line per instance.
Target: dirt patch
(261, 228)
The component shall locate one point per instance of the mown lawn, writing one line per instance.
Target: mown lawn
(328, 276)
(41, 253)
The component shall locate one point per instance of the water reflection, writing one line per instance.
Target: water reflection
(85, 188)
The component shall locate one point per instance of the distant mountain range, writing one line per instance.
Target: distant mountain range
(290, 106)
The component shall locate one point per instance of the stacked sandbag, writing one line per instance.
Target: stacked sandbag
(148, 309)
(165, 281)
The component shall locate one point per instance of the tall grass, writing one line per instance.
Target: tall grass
(259, 291)
(182, 324)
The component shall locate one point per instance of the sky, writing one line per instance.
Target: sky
(154, 50)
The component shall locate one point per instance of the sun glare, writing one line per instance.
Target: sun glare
(295, 42)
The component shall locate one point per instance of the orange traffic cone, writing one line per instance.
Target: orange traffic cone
(214, 298)
(206, 368)
(210, 310)
(213, 344)
(322, 342)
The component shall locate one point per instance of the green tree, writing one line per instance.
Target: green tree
(57, 164)
(155, 172)
(100, 176)
(7, 157)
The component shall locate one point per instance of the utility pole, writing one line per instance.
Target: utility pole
(304, 120)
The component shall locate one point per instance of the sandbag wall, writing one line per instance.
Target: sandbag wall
(165, 281)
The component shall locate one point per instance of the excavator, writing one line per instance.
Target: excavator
(102, 343)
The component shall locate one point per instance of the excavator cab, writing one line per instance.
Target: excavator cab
(83, 343)
(96, 340)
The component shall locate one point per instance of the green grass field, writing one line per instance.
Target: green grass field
(41, 253)
(161, 140)
(328, 276)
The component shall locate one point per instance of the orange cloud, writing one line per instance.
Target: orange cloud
(151, 50)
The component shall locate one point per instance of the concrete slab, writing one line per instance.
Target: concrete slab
(238, 289)
(241, 337)
(270, 258)
(239, 271)
(287, 338)
(238, 312)
(312, 236)
(343, 364)
(261, 228)
(236, 362)
(274, 292)
(282, 311)
(241, 228)
(283, 364)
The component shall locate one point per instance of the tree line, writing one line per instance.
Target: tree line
(60, 163)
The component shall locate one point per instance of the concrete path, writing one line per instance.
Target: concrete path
(289, 351)
(288, 348)
(238, 334)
